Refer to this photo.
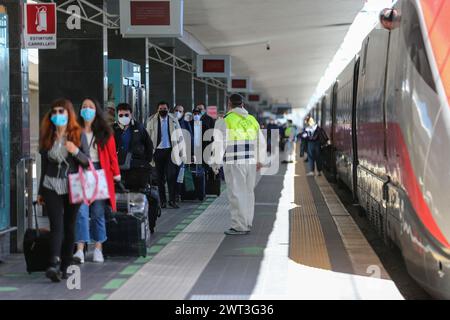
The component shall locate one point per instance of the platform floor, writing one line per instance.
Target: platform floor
(304, 245)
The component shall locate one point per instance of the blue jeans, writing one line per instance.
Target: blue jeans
(314, 156)
(93, 228)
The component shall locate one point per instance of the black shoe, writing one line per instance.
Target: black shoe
(53, 272)
(152, 230)
(174, 205)
(163, 205)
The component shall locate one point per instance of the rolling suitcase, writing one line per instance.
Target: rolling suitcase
(128, 230)
(213, 183)
(154, 206)
(199, 192)
(36, 247)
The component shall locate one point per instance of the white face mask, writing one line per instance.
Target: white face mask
(125, 121)
(179, 115)
(197, 117)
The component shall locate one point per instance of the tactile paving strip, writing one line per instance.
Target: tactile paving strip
(307, 243)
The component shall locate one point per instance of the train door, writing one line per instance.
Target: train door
(333, 111)
(354, 135)
(323, 112)
(4, 124)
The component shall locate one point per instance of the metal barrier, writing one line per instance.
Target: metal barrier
(24, 198)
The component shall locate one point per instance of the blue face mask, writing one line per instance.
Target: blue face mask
(87, 114)
(203, 112)
(59, 120)
(197, 117)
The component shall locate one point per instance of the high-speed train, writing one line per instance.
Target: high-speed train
(388, 118)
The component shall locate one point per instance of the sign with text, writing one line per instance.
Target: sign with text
(239, 84)
(40, 26)
(213, 66)
(151, 18)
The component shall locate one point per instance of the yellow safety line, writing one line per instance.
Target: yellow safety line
(307, 242)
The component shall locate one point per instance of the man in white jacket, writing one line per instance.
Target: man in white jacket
(240, 146)
(169, 151)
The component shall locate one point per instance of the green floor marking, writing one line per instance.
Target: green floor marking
(201, 208)
(173, 233)
(20, 275)
(114, 284)
(8, 289)
(154, 249)
(165, 240)
(180, 227)
(130, 270)
(187, 221)
(98, 296)
(143, 260)
(251, 251)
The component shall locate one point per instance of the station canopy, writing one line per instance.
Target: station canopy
(303, 37)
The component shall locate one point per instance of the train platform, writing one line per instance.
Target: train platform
(304, 245)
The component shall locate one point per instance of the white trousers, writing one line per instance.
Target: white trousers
(288, 150)
(241, 180)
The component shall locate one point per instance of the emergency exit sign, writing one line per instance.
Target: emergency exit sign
(40, 26)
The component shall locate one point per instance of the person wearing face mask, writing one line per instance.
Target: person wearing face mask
(63, 148)
(188, 135)
(134, 149)
(167, 137)
(207, 123)
(102, 151)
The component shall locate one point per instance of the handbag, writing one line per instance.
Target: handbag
(180, 177)
(87, 186)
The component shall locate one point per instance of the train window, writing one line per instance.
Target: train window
(415, 44)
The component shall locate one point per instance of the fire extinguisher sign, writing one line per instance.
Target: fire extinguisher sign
(40, 26)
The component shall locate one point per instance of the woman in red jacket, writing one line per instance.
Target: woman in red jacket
(102, 151)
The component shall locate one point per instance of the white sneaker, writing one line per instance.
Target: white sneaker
(98, 256)
(310, 174)
(78, 257)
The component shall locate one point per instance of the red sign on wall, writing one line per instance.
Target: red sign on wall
(253, 98)
(40, 28)
(239, 84)
(210, 65)
(150, 13)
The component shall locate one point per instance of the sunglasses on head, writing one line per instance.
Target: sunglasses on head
(58, 111)
(124, 115)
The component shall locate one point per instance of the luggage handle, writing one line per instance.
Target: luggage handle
(35, 218)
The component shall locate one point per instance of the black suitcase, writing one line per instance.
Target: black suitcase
(36, 247)
(199, 193)
(128, 230)
(213, 183)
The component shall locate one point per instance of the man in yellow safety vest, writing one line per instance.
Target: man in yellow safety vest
(241, 147)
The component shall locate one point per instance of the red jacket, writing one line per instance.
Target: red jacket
(109, 163)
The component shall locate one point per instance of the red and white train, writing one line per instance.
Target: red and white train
(388, 118)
